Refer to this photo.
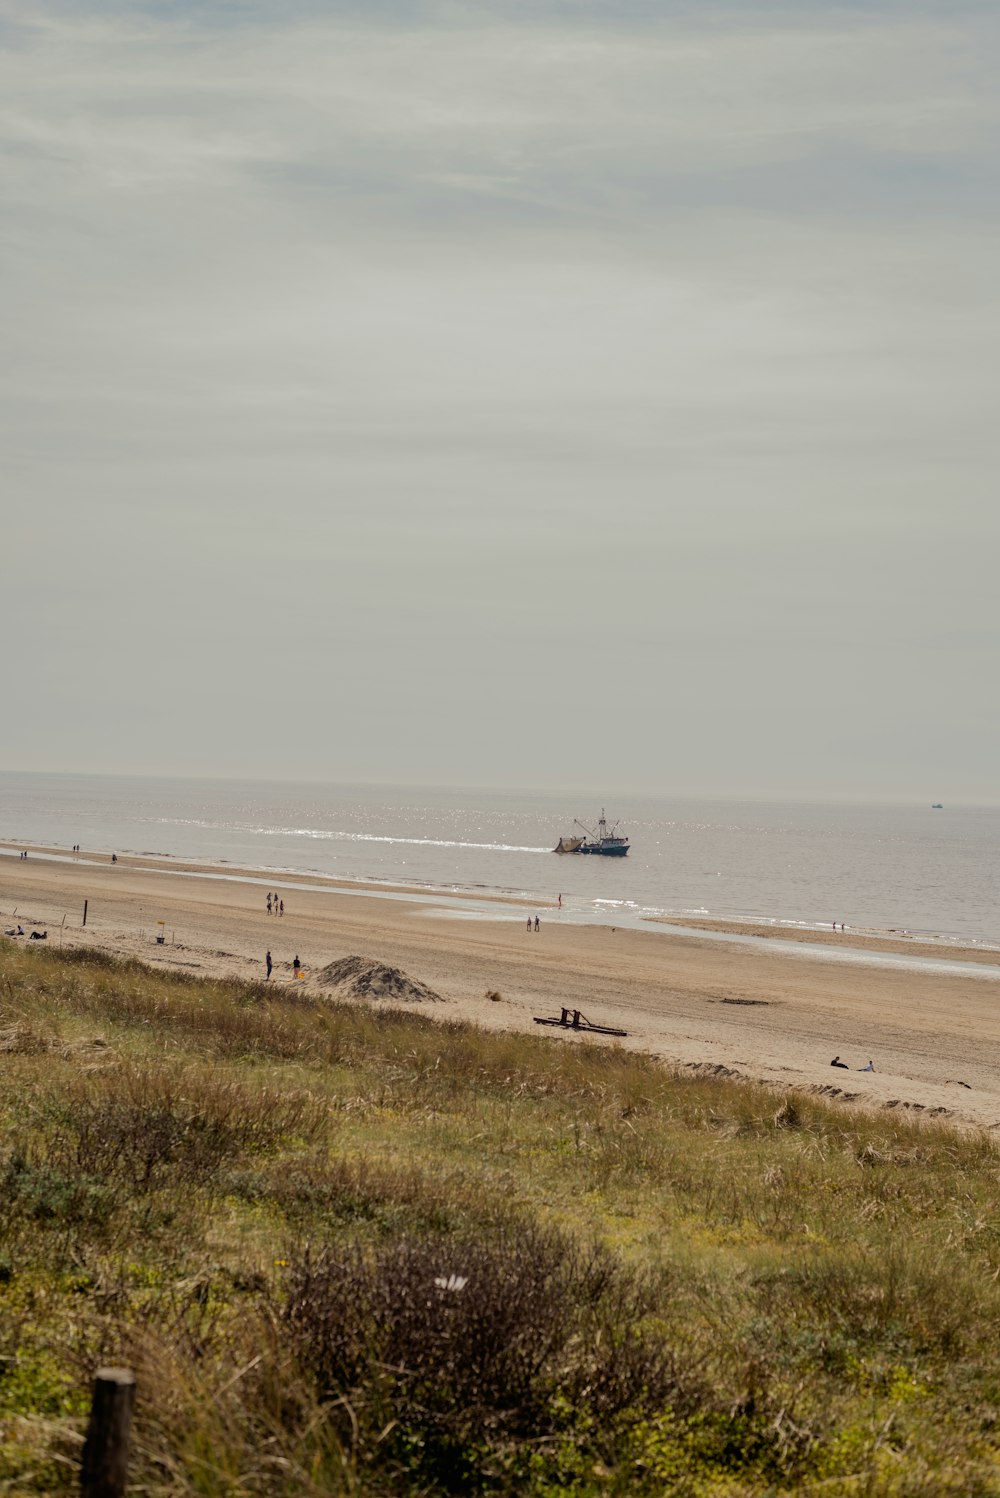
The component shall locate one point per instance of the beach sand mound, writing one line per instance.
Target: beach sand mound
(361, 978)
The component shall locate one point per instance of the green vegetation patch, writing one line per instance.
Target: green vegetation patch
(354, 1250)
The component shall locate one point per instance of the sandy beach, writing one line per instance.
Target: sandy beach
(776, 1012)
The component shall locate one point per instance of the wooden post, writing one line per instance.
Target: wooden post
(104, 1470)
(85, 912)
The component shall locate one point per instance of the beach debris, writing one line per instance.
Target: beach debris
(753, 1003)
(918, 1108)
(93, 1054)
(494, 995)
(362, 978)
(451, 1281)
(572, 1019)
(788, 1115)
(18, 1040)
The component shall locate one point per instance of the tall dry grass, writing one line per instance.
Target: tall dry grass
(670, 1283)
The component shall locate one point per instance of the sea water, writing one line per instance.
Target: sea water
(873, 867)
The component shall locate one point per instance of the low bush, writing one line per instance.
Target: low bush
(473, 1340)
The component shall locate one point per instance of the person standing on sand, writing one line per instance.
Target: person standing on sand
(269, 902)
(281, 907)
(267, 956)
(529, 923)
(537, 923)
(296, 965)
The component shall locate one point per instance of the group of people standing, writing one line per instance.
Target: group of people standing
(276, 906)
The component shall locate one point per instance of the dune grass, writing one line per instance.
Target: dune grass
(350, 1250)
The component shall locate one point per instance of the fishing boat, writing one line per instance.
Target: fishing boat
(607, 844)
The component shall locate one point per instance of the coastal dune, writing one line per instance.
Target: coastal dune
(775, 1012)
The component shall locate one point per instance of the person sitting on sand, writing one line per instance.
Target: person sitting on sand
(869, 1067)
(837, 1062)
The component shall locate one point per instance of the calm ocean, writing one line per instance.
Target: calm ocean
(871, 866)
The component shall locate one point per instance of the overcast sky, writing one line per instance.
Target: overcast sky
(600, 395)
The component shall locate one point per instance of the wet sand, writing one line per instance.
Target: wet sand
(757, 1011)
(899, 943)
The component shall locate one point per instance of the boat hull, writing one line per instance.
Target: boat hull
(605, 850)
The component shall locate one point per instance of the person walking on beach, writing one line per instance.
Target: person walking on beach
(267, 956)
(281, 907)
(537, 923)
(269, 902)
(529, 923)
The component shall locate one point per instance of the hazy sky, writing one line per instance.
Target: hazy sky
(585, 394)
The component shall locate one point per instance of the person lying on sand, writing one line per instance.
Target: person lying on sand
(11, 932)
(869, 1067)
(837, 1062)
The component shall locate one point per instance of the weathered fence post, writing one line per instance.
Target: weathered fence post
(104, 1470)
(85, 903)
